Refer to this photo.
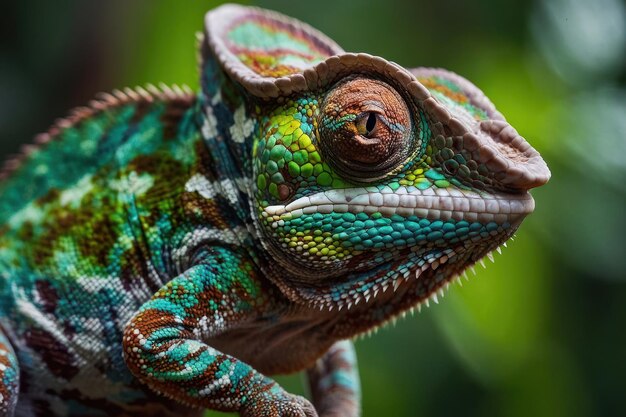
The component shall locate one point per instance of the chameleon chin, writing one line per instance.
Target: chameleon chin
(163, 252)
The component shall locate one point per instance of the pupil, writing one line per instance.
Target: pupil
(371, 122)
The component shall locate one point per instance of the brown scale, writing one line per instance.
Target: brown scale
(169, 174)
(56, 357)
(98, 239)
(48, 295)
(51, 196)
(4, 360)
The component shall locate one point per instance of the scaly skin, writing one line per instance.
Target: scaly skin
(9, 377)
(163, 252)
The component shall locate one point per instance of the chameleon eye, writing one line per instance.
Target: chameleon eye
(366, 123)
(365, 129)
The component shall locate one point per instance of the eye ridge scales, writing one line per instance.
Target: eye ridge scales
(164, 251)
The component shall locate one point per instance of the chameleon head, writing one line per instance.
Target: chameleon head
(368, 175)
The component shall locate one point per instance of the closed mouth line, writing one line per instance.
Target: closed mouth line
(432, 204)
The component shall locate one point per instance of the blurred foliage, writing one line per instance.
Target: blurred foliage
(539, 333)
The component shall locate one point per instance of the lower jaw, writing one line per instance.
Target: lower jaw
(309, 270)
(390, 296)
(395, 298)
(417, 280)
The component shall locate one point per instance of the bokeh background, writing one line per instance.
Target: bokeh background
(542, 332)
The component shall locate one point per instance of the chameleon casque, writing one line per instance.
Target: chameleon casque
(162, 252)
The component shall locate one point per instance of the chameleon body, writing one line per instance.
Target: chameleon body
(163, 252)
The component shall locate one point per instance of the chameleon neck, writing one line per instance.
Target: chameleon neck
(226, 121)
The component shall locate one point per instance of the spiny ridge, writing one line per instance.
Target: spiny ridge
(102, 102)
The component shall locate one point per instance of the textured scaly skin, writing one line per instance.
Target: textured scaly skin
(163, 252)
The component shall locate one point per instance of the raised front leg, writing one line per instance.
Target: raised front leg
(334, 382)
(164, 343)
(9, 378)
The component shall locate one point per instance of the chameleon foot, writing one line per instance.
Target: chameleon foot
(286, 405)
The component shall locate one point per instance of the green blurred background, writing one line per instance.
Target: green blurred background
(539, 333)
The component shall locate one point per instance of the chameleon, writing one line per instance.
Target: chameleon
(164, 252)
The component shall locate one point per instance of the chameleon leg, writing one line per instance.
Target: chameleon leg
(9, 378)
(164, 348)
(334, 382)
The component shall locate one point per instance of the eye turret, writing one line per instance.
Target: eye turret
(365, 129)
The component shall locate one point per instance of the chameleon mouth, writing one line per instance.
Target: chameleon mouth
(431, 203)
(419, 265)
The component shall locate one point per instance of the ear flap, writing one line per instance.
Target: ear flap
(265, 51)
